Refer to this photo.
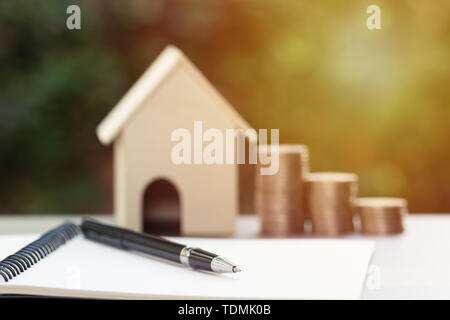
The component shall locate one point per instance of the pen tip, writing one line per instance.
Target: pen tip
(236, 269)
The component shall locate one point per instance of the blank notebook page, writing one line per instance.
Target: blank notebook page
(272, 269)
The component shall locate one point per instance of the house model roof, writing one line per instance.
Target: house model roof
(160, 70)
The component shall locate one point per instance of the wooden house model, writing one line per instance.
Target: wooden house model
(149, 189)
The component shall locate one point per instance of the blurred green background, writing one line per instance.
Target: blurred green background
(376, 103)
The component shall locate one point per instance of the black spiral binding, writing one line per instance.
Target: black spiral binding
(37, 250)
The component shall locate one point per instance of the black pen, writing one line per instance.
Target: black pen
(156, 246)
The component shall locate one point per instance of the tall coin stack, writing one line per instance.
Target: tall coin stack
(279, 197)
(330, 200)
(380, 216)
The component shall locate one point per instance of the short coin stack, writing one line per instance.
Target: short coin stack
(381, 216)
(279, 197)
(330, 202)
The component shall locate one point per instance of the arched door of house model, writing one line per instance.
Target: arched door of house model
(161, 208)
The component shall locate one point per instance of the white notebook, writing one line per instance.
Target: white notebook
(272, 269)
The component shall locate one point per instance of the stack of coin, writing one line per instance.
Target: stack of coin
(279, 196)
(381, 216)
(330, 200)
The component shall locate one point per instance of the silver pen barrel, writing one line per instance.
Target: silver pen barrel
(197, 258)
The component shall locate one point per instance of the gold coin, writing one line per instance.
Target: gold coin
(330, 202)
(381, 216)
(279, 198)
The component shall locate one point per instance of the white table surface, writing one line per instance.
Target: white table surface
(413, 265)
